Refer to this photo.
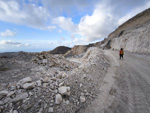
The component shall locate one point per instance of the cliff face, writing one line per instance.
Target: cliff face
(133, 35)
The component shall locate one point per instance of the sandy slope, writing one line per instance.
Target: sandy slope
(126, 87)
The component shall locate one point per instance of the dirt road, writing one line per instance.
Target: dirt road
(133, 84)
(127, 86)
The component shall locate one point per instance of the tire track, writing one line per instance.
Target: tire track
(134, 86)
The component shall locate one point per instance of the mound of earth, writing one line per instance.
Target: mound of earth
(46, 83)
(60, 50)
(78, 49)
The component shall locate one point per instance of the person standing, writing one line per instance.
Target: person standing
(121, 53)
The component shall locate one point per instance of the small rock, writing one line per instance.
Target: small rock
(45, 84)
(54, 78)
(20, 97)
(84, 76)
(3, 94)
(7, 100)
(67, 102)
(45, 105)
(64, 75)
(29, 85)
(11, 111)
(59, 75)
(11, 93)
(82, 94)
(46, 79)
(64, 90)
(12, 88)
(51, 110)
(40, 111)
(52, 101)
(81, 85)
(30, 93)
(1, 103)
(61, 84)
(82, 99)
(85, 91)
(1, 108)
(25, 80)
(44, 61)
(58, 99)
(15, 111)
(56, 91)
(39, 83)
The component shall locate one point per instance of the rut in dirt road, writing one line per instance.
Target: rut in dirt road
(133, 85)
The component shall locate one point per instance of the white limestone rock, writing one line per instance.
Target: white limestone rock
(20, 97)
(39, 83)
(1, 103)
(45, 84)
(82, 99)
(29, 85)
(58, 99)
(15, 111)
(44, 61)
(25, 80)
(63, 90)
(51, 110)
(11, 93)
(61, 84)
(3, 94)
(46, 79)
(81, 85)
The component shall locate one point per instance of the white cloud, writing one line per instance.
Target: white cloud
(65, 23)
(51, 27)
(68, 7)
(7, 33)
(93, 27)
(133, 13)
(98, 25)
(24, 14)
(27, 44)
(9, 42)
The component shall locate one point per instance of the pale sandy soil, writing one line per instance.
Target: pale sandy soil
(126, 87)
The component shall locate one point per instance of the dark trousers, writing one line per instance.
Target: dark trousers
(121, 56)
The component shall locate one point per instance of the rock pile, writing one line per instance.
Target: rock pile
(51, 83)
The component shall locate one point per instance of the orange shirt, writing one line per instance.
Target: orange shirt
(121, 52)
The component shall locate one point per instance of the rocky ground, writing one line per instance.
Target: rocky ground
(45, 83)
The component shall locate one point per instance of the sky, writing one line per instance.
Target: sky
(42, 25)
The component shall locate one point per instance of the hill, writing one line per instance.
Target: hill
(133, 35)
(60, 50)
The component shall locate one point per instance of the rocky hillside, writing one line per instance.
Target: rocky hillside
(60, 50)
(46, 83)
(133, 35)
(78, 49)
